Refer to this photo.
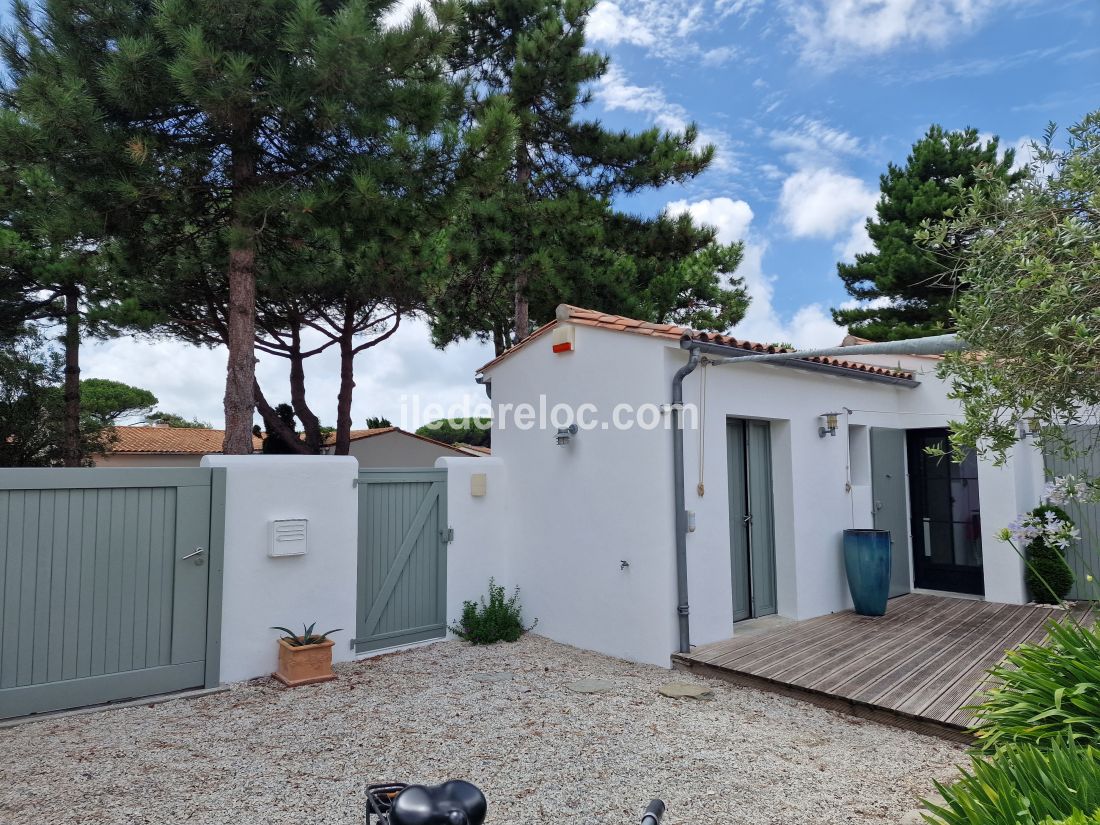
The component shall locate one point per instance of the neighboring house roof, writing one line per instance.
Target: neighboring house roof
(617, 323)
(473, 449)
(170, 441)
(195, 441)
(330, 439)
(357, 435)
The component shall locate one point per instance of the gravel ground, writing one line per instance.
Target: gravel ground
(263, 754)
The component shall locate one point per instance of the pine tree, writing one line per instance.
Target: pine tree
(550, 235)
(216, 124)
(51, 259)
(912, 287)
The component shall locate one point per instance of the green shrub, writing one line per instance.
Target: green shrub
(1048, 577)
(500, 619)
(1076, 818)
(1046, 691)
(1022, 785)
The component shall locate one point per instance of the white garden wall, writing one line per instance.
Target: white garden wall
(482, 538)
(259, 591)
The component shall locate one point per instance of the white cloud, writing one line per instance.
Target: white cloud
(609, 24)
(719, 56)
(857, 242)
(731, 218)
(809, 142)
(662, 28)
(397, 379)
(745, 8)
(809, 325)
(1025, 152)
(832, 31)
(667, 29)
(615, 91)
(402, 11)
(822, 203)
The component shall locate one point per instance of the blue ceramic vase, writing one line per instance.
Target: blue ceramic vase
(867, 564)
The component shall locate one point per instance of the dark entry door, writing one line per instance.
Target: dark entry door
(946, 521)
(752, 522)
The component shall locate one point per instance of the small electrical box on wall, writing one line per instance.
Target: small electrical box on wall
(563, 338)
(288, 537)
(478, 483)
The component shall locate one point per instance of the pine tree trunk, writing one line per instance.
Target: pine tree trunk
(523, 320)
(311, 425)
(241, 323)
(71, 453)
(521, 305)
(343, 400)
(274, 424)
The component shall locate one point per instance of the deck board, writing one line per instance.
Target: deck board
(920, 665)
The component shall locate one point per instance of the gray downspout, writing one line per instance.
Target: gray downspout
(678, 493)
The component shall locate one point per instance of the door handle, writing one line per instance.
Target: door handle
(195, 554)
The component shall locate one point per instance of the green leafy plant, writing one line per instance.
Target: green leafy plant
(1076, 818)
(307, 637)
(1022, 785)
(1046, 691)
(500, 619)
(1048, 577)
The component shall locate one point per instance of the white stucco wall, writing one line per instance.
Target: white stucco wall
(482, 540)
(259, 591)
(576, 511)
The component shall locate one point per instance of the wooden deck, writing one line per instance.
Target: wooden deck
(917, 667)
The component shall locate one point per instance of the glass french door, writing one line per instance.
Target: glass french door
(946, 520)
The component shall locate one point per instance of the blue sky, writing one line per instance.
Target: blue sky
(806, 100)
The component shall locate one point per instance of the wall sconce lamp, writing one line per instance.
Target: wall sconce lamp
(565, 435)
(1030, 427)
(828, 424)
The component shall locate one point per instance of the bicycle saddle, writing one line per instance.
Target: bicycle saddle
(452, 803)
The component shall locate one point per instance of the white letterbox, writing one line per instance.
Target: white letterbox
(288, 537)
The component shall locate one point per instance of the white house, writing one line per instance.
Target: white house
(771, 482)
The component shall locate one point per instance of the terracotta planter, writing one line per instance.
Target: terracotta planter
(305, 664)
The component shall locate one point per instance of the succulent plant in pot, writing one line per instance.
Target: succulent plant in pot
(304, 658)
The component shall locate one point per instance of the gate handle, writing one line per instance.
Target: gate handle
(198, 551)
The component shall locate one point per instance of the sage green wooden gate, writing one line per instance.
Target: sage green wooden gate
(1084, 558)
(110, 584)
(403, 538)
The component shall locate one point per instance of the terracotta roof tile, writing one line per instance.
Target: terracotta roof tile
(171, 440)
(195, 441)
(617, 323)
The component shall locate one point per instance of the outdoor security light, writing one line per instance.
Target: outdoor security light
(565, 435)
(828, 424)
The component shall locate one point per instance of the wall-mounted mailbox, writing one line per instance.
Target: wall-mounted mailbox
(478, 484)
(288, 537)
